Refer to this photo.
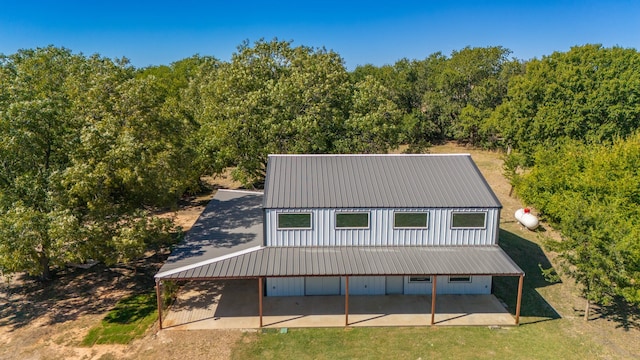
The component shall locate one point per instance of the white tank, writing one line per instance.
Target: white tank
(526, 218)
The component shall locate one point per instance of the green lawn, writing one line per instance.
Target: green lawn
(543, 340)
(129, 319)
(542, 335)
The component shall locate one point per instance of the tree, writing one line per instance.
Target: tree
(590, 193)
(84, 148)
(275, 98)
(589, 94)
(373, 124)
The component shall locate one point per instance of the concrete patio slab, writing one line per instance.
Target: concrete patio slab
(233, 304)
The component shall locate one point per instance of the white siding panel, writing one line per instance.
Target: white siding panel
(293, 286)
(416, 288)
(364, 285)
(479, 285)
(322, 285)
(381, 231)
(394, 285)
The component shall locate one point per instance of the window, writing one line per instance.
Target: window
(468, 220)
(410, 220)
(294, 221)
(352, 220)
(460, 279)
(420, 279)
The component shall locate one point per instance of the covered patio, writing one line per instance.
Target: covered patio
(231, 304)
(226, 243)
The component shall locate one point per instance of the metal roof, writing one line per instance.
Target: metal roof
(351, 261)
(231, 222)
(376, 181)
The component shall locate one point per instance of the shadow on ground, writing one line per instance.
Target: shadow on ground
(530, 257)
(73, 292)
(625, 315)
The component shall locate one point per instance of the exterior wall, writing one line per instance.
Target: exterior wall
(479, 285)
(364, 285)
(322, 285)
(381, 231)
(293, 286)
(372, 285)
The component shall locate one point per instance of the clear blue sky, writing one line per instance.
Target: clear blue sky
(160, 32)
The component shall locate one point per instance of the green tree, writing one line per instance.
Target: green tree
(275, 98)
(373, 124)
(591, 194)
(590, 94)
(472, 78)
(84, 151)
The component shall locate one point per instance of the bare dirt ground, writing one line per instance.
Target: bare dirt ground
(48, 321)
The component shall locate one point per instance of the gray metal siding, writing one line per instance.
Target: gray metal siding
(381, 231)
(365, 181)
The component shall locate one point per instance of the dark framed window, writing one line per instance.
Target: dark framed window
(410, 220)
(468, 220)
(352, 220)
(294, 221)
(420, 279)
(460, 279)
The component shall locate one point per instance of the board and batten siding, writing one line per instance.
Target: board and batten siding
(381, 231)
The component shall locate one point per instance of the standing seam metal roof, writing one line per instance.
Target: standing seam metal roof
(354, 261)
(376, 181)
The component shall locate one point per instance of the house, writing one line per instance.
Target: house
(365, 225)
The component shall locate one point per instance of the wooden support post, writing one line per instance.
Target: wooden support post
(519, 301)
(159, 300)
(346, 301)
(433, 298)
(260, 290)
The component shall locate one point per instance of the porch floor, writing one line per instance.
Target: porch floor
(233, 304)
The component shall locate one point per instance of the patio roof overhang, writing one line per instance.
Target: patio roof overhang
(349, 261)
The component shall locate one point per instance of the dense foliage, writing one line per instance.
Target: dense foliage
(275, 98)
(444, 98)
(85, 147)
(590, 94)
(591, 193)
(573, 120)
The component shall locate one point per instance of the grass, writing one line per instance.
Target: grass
(537, 341)
(128, 320)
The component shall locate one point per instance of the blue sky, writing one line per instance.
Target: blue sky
(160, 32)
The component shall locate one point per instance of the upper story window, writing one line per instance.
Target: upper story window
(468, 220)
(352, 220)
(294, 221)
(410, 220)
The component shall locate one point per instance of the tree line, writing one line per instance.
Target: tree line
(90, 146)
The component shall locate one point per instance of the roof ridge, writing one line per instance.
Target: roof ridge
(368, 155)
